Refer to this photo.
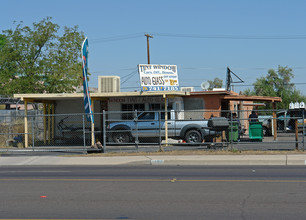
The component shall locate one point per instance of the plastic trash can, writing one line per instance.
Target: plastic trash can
(255, 131)
(233, 132)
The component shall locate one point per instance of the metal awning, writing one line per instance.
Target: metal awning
(47, 97)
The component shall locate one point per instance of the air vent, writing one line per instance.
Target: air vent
(108, 84)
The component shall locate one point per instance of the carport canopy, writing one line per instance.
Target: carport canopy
(274, 100)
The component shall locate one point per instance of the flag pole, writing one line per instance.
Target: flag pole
(87, 99)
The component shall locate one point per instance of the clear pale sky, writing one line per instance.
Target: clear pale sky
(201, 37)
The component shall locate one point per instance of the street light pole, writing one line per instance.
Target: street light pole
(148, 46)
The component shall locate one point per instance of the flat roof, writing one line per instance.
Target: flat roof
(252, 98)
(217, 92)
(230, 96)
(65, 96)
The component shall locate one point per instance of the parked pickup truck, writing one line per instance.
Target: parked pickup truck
(152, 125)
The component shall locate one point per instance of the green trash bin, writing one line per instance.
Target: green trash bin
(255, 131)
(233, 132)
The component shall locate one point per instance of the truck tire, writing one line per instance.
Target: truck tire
(193, 137)
(121, 137)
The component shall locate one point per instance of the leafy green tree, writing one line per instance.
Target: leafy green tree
(277, 83)
(2, 40)
(38, 60)
(216, 83)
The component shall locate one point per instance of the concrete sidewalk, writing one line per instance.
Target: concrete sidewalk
(284, 159)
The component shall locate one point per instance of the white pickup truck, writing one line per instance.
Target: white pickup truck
(152, 125)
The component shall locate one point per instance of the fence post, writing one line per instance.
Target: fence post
(303, 129)
(84, 132)
(160, 141)
(10, 137)
(136, 127)
(104, 129)
(296, 131)
(232, 135)
(33, 135)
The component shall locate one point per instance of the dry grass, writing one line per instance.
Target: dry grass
(194, 152)
(6, 129)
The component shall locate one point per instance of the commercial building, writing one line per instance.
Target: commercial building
(109, 98)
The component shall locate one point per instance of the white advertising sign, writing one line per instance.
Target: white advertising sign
(156, 77)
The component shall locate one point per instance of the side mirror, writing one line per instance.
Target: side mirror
(135, 117)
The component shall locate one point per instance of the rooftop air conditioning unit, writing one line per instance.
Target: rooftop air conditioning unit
(187, 89)
(108, 84)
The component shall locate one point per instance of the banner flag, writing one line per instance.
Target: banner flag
(87, 100)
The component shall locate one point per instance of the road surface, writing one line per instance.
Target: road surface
(153, 192)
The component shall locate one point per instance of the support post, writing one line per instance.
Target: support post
(53, 123)
(26, 130)
(274, 121)
(49, 123)
(45, 123)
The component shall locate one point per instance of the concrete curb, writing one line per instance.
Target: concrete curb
(298, 159)
(223, 160)
(53, 160)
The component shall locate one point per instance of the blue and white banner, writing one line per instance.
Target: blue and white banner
(87, 99)
(156, 77)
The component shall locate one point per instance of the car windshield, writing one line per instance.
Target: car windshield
(151, 116)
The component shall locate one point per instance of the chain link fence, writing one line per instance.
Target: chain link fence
(154, 131)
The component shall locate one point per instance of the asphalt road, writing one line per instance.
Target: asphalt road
(153, 192)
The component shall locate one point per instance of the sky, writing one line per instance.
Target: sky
(202, 37)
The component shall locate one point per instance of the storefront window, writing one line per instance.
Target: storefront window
(129, 108)
(155, 107)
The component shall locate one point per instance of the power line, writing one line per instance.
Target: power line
(236, 68)
(235, 37)
(199, 36)
(129, 76)
(116, 38)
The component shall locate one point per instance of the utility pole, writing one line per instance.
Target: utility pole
(148, 46)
